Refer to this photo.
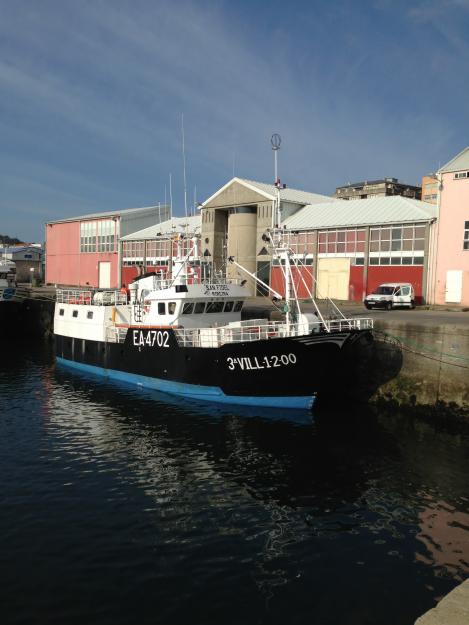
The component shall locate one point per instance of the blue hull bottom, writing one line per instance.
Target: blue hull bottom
(193, 391)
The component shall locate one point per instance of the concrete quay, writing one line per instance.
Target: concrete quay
(451, 610)
(419, 358)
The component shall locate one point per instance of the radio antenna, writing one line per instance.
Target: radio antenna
(170, 197)
(275, 141)
(184, 163)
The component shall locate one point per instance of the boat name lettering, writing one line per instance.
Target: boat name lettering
(247, 363)
(151, 337)
(220, 290)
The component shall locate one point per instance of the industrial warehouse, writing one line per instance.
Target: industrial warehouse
(346, 248)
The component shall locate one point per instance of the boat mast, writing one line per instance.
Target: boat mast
(277, 239)
(275, 141)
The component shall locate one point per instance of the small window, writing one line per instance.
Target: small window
(161, 308)
(188, 308)
(384, 260)
(171, 308)
(199, 308)
(466, 236)
(61, 312)
(238, 306)
(396, 260)
(89, 314)
(407, 260)
(214, 307)
(405, 290)
(418, 260)
(75, 313)
(228, 306)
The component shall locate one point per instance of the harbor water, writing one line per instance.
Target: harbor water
(119, 506)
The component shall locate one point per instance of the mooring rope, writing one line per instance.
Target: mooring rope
(423, 350)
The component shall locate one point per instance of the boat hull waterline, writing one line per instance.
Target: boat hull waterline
(281, 372)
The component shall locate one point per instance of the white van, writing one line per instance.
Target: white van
(391, 295)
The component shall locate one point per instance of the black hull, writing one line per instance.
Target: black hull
(270, 372)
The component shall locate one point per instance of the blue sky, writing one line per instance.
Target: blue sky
(91, 96)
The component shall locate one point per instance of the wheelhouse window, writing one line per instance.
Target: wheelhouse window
(238, 306)
(171, 308)
(229, 306)
(188, 308)
(162, 308)
(199, 308)
(466, 235)
(214, 307)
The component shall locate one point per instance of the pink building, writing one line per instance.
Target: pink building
(448, 281)
(84, 250)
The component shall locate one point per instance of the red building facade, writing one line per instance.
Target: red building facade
(85, 251)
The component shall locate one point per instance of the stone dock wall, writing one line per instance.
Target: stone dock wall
(421, 365)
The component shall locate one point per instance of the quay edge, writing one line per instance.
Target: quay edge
(451, 610)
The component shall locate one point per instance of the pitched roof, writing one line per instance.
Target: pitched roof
(116, 213)
(176, 225)
(379, 210)
(270, 192)
(288, 195)
(458, 162)
(13, 249)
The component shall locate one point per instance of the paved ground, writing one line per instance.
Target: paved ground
(419, 315)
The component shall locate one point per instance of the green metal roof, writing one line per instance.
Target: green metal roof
(373, 211)
(176, 225)
(457, 163)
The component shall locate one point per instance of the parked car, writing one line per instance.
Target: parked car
(391, 295)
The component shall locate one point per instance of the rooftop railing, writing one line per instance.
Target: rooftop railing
(88, 297)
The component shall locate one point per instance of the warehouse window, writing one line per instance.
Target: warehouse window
(349, 242)
(87, 237)
(98, 236)
(466, 235)
(461, 174)
(106, 235)
(397, 245)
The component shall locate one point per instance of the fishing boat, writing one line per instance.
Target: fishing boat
(183, 333)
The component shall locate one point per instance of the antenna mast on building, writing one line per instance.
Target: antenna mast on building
(184, 163)
(170, 197)
(275, 141)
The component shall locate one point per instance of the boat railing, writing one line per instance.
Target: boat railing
(263, 329)
(88, 297)
(160, 284)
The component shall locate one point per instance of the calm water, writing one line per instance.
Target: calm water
(122, 507)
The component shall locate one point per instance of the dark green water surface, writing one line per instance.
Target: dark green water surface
(121, 507)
